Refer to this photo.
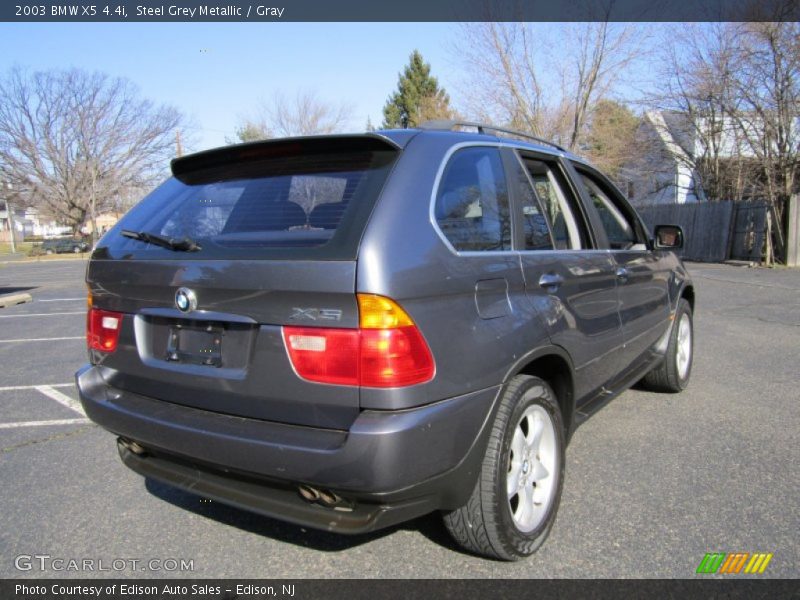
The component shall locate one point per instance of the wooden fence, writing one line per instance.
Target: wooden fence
(717, 231)
(706, 227)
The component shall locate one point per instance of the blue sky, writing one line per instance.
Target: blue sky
(218, 71)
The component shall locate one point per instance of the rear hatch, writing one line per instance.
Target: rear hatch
(245, 240)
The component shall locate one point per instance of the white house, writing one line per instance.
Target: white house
(673, 143)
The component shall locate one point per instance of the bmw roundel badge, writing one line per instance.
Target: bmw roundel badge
(185, 300)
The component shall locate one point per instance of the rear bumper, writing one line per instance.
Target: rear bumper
(393, 465)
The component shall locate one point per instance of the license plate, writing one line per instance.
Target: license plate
(200, 345)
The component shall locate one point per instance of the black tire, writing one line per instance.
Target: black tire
(666, 377)
(485, 525)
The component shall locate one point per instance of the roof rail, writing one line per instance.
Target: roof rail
(449, 125)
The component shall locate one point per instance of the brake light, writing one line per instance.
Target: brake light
(102, 329)
(387, 350)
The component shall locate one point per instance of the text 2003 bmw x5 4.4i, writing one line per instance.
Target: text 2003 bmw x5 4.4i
(349, 331)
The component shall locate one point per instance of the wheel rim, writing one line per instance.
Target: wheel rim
(532, 468)
(683, 356)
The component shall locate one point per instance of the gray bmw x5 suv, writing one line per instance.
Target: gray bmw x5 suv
(349, 331)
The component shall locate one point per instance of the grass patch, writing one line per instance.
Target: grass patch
(22, 248)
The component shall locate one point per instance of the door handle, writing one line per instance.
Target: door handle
(550, 281)
(622, 274)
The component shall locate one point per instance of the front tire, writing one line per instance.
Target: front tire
(513, 506)
(673, 374)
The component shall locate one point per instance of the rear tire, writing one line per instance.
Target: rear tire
(513, 506)
(673, 374)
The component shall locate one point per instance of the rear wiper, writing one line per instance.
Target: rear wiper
(184, 245)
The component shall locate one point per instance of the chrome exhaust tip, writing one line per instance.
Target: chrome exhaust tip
(132, 446)
(329, 498)
(308, 493)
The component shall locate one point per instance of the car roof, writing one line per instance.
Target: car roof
(401, 137)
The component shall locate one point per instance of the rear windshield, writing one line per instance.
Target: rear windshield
(308, 204)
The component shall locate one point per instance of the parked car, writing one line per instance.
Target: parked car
(61, 245)
(350, 331)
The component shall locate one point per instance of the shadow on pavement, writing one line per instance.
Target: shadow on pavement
(430, 526)
(14, 290)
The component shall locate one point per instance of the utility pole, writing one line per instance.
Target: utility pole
(10, 212)
(178, 146)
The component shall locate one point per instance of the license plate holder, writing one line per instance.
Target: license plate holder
(196, 344)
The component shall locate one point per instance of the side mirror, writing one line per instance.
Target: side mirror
(669, 236)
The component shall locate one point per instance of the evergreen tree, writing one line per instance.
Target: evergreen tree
(418, 97)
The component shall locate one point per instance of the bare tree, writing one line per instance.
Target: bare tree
(302, 114)
(766, 103)
(735, 88)
(523, 78)
(72, 142)
(691, 124)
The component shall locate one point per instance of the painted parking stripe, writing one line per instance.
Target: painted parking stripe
(80, 312)
(61, 398)
(44, 423)
(55, 339)
(14, 388)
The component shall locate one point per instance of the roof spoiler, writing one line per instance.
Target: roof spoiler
(184, 167)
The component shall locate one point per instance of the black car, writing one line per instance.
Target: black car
(349, 331)
(62, 245)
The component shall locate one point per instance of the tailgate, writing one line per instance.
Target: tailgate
(228, 355)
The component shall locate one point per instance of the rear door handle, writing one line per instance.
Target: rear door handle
(550, 281)
(622, 274)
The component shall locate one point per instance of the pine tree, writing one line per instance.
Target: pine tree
(418, 97)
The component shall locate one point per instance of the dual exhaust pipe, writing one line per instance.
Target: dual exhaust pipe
(310, 494)
(324, 497)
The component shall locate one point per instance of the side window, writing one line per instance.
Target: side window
(547, 185)
(536, 231)
(472, 207)
(621, 234)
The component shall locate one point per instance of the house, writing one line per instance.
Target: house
(673, 144)
(105, 221)
(27, 223)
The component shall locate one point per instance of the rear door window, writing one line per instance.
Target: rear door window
(564, 220)
(472, 207)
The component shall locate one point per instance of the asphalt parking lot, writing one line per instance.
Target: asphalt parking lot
(653, 481)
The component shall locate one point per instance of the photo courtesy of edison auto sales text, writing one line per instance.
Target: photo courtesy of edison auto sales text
(137, 590)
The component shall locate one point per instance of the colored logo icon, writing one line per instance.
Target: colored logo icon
(734, 563)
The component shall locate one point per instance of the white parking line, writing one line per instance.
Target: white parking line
(13, 388)
(80, 337)
(80, 312)
(62, 399)
(44, 423)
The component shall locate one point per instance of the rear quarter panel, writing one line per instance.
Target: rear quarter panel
(471, 309)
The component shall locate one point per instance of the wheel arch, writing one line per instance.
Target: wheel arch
(553, 365)
(688, 293)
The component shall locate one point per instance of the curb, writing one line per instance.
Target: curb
(12, 299)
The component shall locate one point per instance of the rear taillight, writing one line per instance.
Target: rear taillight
(387, 350)
(102, 329)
